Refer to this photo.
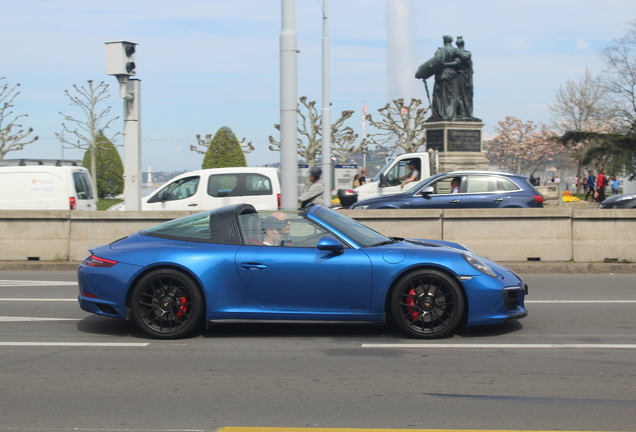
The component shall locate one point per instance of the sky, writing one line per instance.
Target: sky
(205, 64)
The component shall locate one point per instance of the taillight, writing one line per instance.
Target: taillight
(72, 202)
(94, 261)
(278, 198)
(538, 198)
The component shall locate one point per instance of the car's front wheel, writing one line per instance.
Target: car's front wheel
(427, 304)
(167, 304)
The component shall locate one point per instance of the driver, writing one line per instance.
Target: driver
(271, 228)
(286, 238)
(412, 176)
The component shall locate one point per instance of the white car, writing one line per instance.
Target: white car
(216, 187)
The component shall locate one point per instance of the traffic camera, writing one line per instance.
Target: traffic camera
(120, 58)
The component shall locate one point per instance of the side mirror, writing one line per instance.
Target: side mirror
(427, 191)
(330, 244)
(383, 181)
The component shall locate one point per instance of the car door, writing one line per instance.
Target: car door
(305, 279)
(483, 191)
(83, 191)
(181, 194)
(235, 188)
(442, 196)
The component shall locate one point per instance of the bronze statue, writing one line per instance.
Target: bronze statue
(453, 90)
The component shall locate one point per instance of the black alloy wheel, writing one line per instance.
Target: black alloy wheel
(427, 304)
(167, 304)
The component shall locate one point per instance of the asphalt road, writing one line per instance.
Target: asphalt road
(571, 365)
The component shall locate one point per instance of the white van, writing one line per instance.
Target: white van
(46, 187)
(387, 180)
(216, 187)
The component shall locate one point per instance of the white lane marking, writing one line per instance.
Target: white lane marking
(580, 301)
(509, 346)
(75, 344)
(40, 299)
(17, 283)
(31, 319)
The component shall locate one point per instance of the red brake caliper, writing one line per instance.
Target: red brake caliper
(410, 300)
(183, 308)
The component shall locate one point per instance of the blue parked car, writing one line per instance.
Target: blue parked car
(462, 189)
(236, 264)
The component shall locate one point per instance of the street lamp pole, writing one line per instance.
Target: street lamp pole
(327, 168)
(288, 107)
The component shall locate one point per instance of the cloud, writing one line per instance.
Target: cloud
(581, 44)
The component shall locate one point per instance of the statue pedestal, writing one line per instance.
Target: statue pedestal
(458, 145)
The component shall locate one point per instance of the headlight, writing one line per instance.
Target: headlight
(360, 207)
(479, 265)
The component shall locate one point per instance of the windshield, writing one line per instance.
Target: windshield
(357, 232)
(382, 171)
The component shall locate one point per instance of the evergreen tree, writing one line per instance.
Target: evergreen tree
(110, 170)
(224, 151)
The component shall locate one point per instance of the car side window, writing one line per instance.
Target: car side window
(180, 189)
(507, 185)
(222, 185)
(291, 230)
(443, 186)
(82, 186)
(258, 184)
(481, 184)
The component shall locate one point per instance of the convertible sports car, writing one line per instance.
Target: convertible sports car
(317, 265)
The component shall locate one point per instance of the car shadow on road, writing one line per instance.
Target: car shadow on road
(487, 331)
(99, 325)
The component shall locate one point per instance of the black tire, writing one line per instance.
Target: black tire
(427, 304)
(167, 304)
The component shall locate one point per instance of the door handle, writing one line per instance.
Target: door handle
(192, 204)
(454, 201)
(498, 200)
(253, 266)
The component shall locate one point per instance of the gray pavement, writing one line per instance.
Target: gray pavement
(521, 267)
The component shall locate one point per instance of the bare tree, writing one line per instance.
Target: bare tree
(620, 75)
(310, 147)
(12, 136)
(402, 126)
(579, 102)
(343, 139)
(88, 133)
(582, 106)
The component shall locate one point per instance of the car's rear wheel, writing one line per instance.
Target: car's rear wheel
(427, 304)
(167, 304)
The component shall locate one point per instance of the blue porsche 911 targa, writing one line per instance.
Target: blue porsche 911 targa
(235, 264)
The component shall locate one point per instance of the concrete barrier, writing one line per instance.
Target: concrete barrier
(548, 234)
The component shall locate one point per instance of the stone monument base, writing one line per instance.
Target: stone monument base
(458, 145)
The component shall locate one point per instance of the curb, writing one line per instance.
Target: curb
(521, 267)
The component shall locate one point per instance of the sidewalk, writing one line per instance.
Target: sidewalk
(521, 267)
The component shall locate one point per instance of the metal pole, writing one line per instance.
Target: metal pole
(132, 145)
(326, 110)
(288, 107)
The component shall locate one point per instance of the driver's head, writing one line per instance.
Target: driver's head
(282, 217)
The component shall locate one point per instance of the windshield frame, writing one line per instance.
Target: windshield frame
(349, 229)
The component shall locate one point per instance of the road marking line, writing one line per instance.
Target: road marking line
(17, 283)
(30, 319)
(75, 344)
(580, 301)
(40, 299)
(292, 429)
(507, 346)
